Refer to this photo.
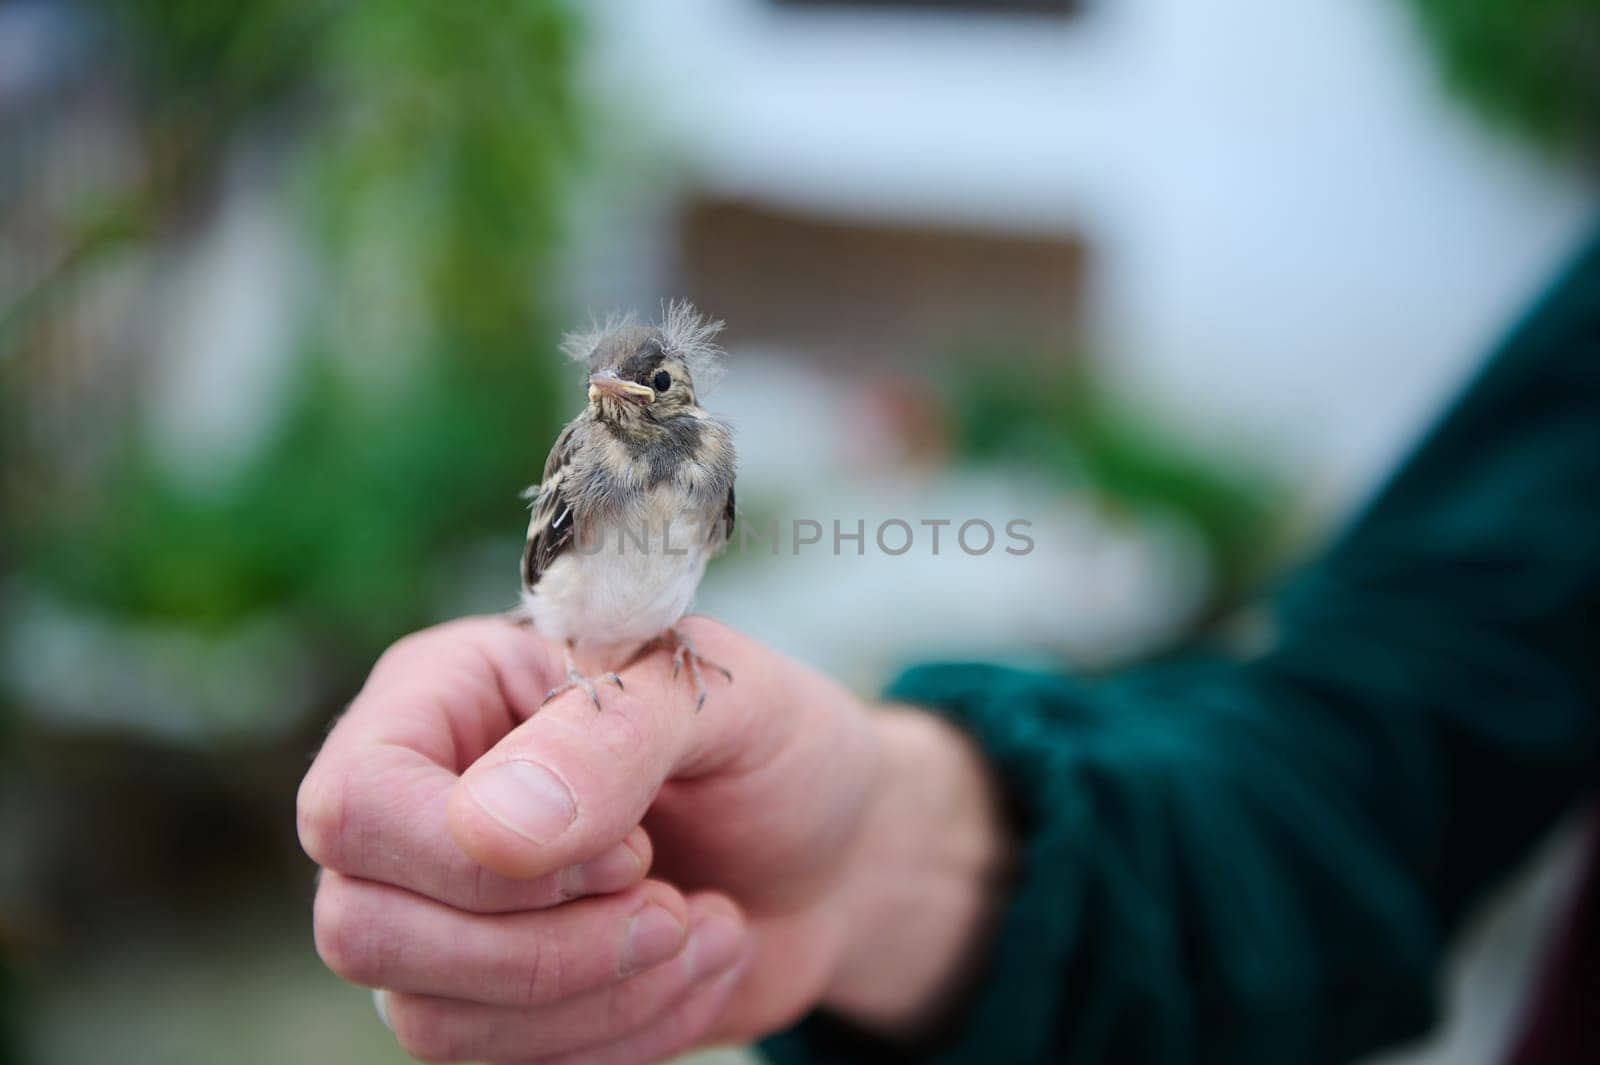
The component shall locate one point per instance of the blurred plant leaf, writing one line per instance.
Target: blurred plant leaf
(1533, 65)
(430, 147)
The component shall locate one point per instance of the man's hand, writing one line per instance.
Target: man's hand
(485, 863)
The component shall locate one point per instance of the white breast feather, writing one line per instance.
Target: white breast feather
(611, 598)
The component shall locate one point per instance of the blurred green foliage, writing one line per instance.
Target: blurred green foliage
(1531, 64)
(1072, 427)
(427, 146)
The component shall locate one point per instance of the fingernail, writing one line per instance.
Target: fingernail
(380, 999)
(653, 935)
(714, 943)
(612, 871)
(526, 797)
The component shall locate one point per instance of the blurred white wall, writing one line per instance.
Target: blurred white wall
(1301, 240)
(1089, 585)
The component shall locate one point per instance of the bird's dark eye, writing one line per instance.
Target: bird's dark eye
(661, 381)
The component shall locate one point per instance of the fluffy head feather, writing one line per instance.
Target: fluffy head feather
(683, 332)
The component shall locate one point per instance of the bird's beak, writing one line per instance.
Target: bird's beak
(607, 383)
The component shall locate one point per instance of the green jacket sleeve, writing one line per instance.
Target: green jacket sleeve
(1260, 861)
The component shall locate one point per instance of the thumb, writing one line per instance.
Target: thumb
(572, 781)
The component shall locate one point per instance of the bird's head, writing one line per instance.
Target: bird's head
(644, 376)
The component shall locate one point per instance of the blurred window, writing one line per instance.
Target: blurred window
(844, 290)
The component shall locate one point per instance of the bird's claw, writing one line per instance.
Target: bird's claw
(684, 655)
(577, 680)
(681, 649)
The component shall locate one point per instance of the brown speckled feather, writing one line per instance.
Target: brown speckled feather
(550, 529)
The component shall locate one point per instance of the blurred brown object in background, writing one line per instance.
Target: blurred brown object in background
(851, 291)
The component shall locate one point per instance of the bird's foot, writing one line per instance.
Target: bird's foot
(575, 679)
(684, 656)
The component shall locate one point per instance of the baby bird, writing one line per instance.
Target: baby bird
(637, 496)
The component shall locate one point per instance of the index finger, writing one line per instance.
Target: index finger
(373, 804)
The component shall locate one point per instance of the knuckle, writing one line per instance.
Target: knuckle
(540, 969)
(319, 816)
(459, 636)
(402, 650)
(328, 926)
(424, 1031)
(345, 936)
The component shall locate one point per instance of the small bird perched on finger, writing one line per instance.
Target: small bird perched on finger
(637, 495)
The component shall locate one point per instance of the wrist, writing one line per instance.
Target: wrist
(924, 880)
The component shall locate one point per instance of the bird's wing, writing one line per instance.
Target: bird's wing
(727, 516)
(550, 529)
